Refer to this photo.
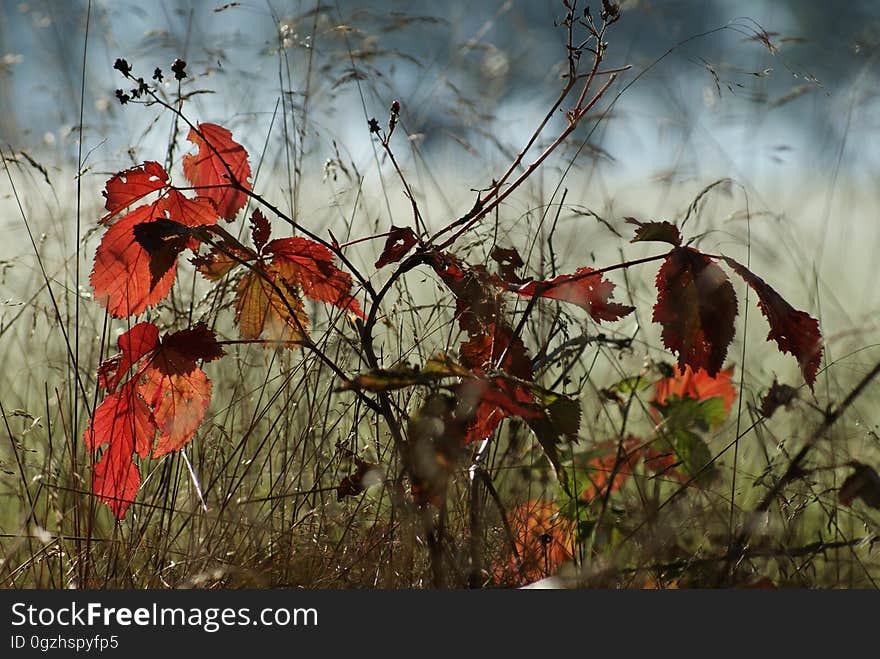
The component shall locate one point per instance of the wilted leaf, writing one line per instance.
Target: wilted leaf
(588, 291)
(795, 332)
(863, 483)
(664, 232)
(400, 240)
(509, 261)
(779, 395)
(260, 229)
(696, 305)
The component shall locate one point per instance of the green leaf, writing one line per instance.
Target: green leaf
(630, 385)
(691, 450)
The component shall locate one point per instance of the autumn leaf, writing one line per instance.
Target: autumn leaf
(863, 483)
(588, 291)
(269, 307)
(124, 423)
(126, 277)
(795, 332)
(544, 540)
(260, 229)
(209, 169)
(217, 263)
(664, 232)
(125, 188)
(779, 395)
(509, 261)
(134, 344)
(696, 305)
(121, 275)
(400, 240)
(310, 265)
(166, 393)
(613, 458)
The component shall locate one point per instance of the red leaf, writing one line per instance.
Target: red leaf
(176, 389)
(191, 212)
(795, 332)
(123, 421)
(400, 241)
(208, 168)
(137, 342)
(121, 276)
(310, 265)
(590, 292)
(168, 393)
(696, 305)
(260, 229)
(125, 188)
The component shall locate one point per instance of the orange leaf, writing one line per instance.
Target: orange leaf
(210, 168)
(261, 311)
(696, 306)
(310, 264)
(125, 188)
(601, 467)
(544, 539)
(590, 292)
(698, 385)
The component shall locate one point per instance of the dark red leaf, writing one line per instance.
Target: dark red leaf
(696, 305)
(310, 265)
(260, 229)
(590, 292)
(400, 241)
(779, 395)
(863, 483)
(795, 332)
(509, 261)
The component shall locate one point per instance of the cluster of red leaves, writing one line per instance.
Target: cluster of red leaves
(135, 267)
(125, 275)
(493, 345)
(153, 387)
(697, 306)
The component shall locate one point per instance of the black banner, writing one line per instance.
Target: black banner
(416, 624)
